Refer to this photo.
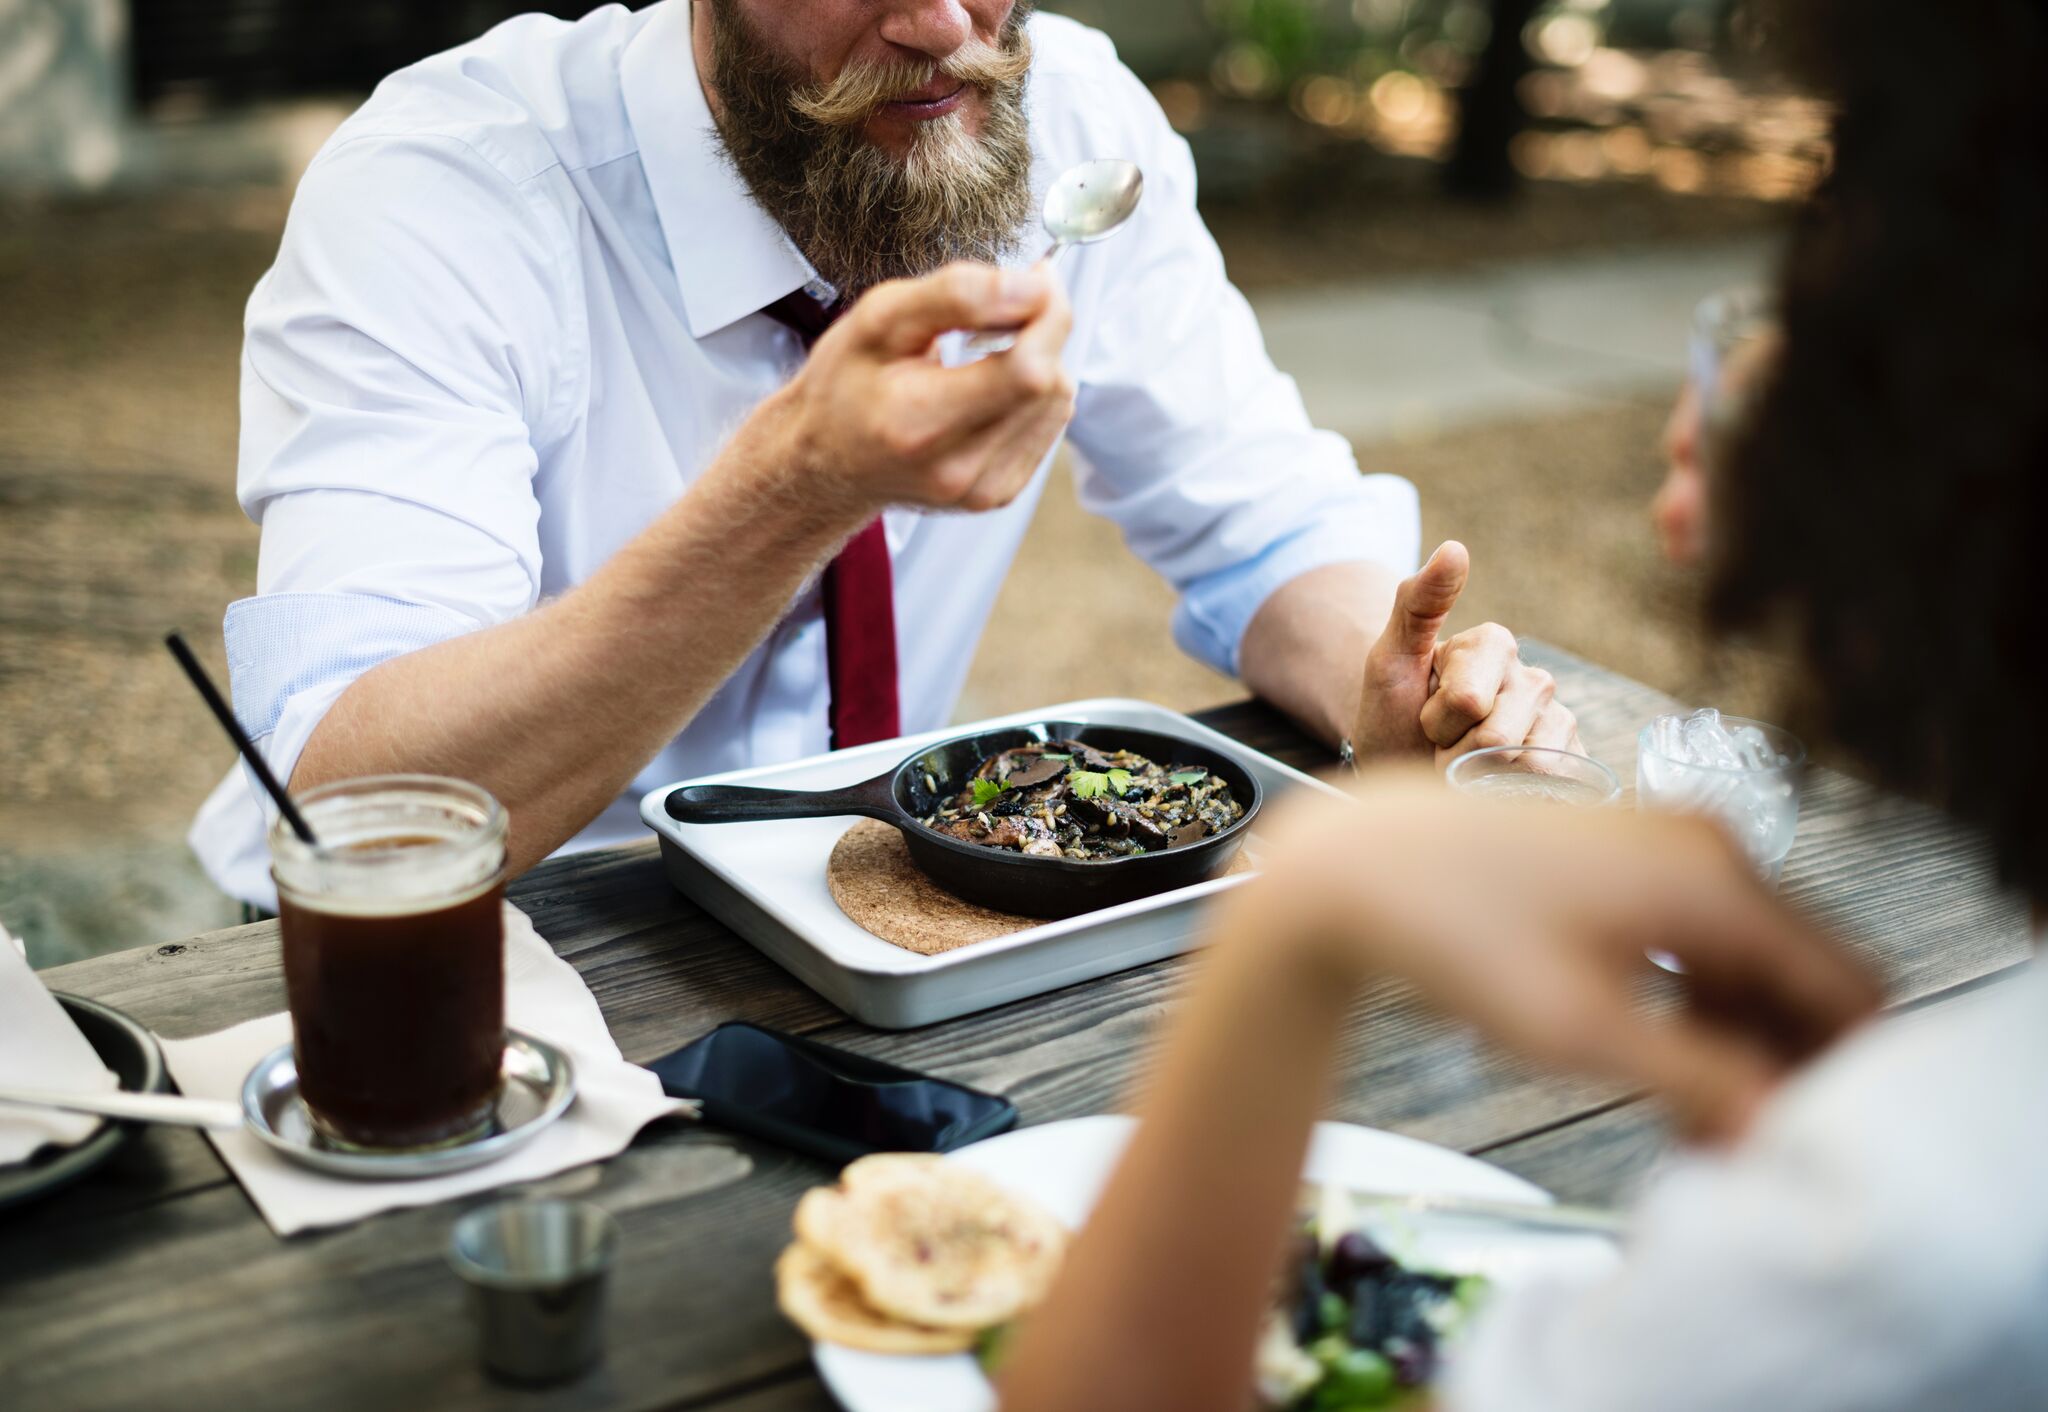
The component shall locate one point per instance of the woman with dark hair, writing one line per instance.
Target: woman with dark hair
(1859, 1219)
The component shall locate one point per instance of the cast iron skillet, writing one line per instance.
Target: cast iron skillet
(997, 877)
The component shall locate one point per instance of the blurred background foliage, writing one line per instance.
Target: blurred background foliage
(1655, 91)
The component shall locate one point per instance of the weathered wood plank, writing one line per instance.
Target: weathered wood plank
(220, 1313)
(796, 1391)
(1601, 1159)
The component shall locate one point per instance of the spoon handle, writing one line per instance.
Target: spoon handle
(142, 1107)
(1574, 1220)
(1001, 340)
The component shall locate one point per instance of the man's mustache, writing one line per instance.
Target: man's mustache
(861, 87)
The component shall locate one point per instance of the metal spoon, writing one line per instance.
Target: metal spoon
(1089, 202)
(1574, 1220)
(135, 1107)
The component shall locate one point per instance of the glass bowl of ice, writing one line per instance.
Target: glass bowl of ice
(1743, 773)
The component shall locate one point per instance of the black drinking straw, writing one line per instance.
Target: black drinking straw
(228, 723)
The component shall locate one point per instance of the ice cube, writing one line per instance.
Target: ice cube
(1668, 737)
(1755, 750)
(1707, 741)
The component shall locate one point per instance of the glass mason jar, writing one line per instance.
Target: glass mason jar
(394, 959)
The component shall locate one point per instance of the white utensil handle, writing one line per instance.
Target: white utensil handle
(147, 1107)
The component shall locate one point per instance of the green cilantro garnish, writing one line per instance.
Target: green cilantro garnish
(1093, 784)
(1188, 776)
(986, 792)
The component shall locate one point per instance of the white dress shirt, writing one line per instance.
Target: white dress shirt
(516, 312)
(1878, 1244)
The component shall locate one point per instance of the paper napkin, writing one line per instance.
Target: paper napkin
(543, 996)
(41, 1048)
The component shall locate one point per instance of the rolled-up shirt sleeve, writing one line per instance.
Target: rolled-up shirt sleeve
(1190, 438)
(399, 369)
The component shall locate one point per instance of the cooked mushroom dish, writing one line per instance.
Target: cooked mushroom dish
(1064, 799)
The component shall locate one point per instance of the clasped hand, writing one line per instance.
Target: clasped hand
(1427, 695)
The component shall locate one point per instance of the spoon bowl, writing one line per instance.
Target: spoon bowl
(1089, 201)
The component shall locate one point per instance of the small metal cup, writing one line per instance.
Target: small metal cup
(536, 1272)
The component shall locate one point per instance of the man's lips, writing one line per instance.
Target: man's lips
(933, 101)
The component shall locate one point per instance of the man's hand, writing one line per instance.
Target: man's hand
(1532, 922)
(873, 419)
(1443, 698)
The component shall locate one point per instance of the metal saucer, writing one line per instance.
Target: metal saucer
(540, 1084)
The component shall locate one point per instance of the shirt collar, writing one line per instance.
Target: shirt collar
(730, 257)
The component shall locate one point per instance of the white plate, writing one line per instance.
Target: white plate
(1063, 1167)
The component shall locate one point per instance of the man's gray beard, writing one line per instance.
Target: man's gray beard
(859, 214)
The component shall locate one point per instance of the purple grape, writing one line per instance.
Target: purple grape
(1354, 1257)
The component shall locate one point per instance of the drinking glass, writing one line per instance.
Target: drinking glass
(394, 959)
(1539, 772)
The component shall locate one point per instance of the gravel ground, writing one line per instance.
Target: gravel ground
(1553, 511)
(117, 434)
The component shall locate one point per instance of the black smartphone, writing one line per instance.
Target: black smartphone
(823, 1101)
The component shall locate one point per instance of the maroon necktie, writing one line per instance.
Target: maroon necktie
(860, 599)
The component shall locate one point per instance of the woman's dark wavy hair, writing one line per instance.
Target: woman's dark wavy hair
(1886, 502)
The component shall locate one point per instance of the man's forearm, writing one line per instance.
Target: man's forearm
(1305, 648)
(556, 711)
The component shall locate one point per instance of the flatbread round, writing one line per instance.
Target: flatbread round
(930, 1242)
(827, 1306)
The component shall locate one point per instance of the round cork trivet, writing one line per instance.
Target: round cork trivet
(876, 884)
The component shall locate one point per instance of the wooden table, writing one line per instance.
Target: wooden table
(154, 1284)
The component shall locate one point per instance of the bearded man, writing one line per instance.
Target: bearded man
(566, 486)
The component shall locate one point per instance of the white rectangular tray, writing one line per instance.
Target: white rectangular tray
(767, 882)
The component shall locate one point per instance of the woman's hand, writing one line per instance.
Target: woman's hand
(1533, 923)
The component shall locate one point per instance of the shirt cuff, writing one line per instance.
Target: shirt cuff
(281, 645)
(290, 657)
(1384, 527)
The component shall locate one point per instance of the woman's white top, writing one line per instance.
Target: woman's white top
(1878, 1243)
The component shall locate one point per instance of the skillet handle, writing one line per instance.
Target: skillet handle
(739, 804)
